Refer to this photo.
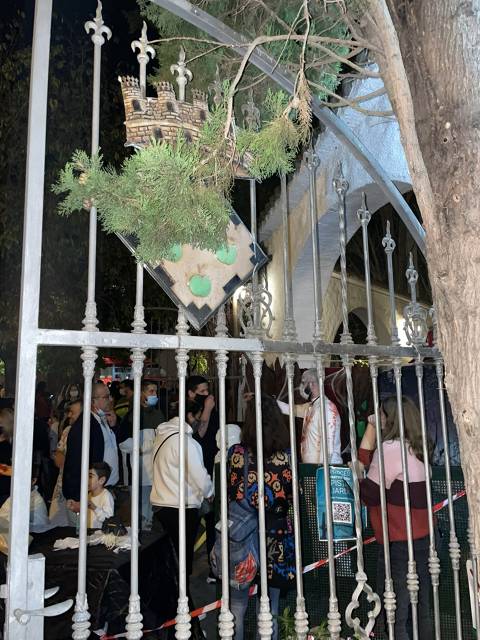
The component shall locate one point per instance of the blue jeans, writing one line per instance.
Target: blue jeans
(239, 604)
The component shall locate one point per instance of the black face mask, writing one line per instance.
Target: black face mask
(200, 398)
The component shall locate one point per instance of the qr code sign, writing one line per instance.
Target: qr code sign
(342, 513)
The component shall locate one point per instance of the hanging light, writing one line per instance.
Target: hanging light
(415, 326)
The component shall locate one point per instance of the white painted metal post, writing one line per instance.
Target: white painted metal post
(301, 616)
(134, 618)
(183, 626)
(265, 626)
(17, 597)
(81, 617)
(225, 619)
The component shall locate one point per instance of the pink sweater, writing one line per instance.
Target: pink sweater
(370, 492)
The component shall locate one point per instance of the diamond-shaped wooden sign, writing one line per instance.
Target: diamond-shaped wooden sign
(202, 281)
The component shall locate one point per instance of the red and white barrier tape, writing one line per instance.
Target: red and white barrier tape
(202, 611)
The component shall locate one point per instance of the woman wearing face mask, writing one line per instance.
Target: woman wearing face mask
(150, 418)
(417, 469)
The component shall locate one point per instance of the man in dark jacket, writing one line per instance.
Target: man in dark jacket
(103, 447)
(206, 435)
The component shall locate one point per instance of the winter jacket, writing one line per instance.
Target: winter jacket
(166, 464)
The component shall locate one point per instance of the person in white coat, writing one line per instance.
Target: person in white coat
(165, 495)
(311, 444)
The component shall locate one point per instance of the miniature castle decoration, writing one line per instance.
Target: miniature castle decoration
(163, 117)
(166, 116)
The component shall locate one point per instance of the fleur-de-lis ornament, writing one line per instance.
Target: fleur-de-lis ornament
(251, 113)
(184, 75)
(216, 87)
(144, 51)
(98, 27)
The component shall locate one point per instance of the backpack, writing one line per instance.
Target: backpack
(243, 546)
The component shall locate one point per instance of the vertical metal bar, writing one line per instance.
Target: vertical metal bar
(454, 546)
(341, 187)
(28, 322)
(433, 560)
(225, 619)
(134, 618)
(289, 331)
(265, 625)
(81, 617)
(182, 627)
(312, 164)
(389, 599)
(301, 616)
(389, 246)
(412, 577)
(364, 217)
(389, 594)
(360, 576)
(253, 231)
(333, 616)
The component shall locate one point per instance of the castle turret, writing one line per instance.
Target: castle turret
(200, 107)
(166, 107)
(132, 97)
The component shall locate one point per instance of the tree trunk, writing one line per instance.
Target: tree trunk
(439, 117)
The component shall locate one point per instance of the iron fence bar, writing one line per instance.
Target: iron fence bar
(389, 597)
(218, 30)
(301, 616)
(225, 618)
(341, 188)
(364, 217)
(265, 619)
(182, 626)
(312, 164)
(389, 247)
(134, 618)
(333, 617)
(433, 559)
(81, 616)
(412, 577)
(255, 330)
(289, 331)
(454, 546)
(17, 597)
(122, 340)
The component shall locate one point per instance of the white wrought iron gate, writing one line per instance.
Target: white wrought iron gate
(24, 608)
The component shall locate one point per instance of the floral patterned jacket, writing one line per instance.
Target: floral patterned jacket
(278, 496)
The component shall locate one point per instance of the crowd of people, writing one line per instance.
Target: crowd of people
(56, 475)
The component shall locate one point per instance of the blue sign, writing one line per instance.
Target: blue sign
(343, 504)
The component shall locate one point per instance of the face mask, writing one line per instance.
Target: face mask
(200, 397)
(152, 401)
(101, 413)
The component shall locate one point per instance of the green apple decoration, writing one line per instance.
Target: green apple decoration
(227, 254)
(200, 285)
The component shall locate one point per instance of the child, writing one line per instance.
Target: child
(100, 503)
(39, 521)
(100, 500)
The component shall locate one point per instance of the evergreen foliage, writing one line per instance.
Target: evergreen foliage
(168, 194)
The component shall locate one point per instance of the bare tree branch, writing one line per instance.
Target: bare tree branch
(345, 102)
